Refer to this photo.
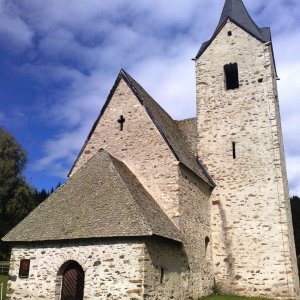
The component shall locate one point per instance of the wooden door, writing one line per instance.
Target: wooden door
(73, 283)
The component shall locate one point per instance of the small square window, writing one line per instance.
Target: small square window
(24, 268)
(260, 80)
(229, 33)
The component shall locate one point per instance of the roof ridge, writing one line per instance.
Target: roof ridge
(137, 203)
(183, 155)
(113, 160)
(133, 82)
(165, 124)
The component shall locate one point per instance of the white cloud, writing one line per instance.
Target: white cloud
(84, 44)
(293, 163)
(287, 49)
(61, 152)
(14, 32)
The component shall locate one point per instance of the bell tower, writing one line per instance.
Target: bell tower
(240, 142)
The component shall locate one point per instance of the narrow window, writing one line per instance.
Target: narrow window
(162, 275)
(229, 33)
(24, 268)
(231, 76)
(233, 150)
(206, 244)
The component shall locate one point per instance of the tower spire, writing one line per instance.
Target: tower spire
(236, 12)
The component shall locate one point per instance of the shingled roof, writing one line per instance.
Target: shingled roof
(167, 127)
(235, 11)
(102, 199)
(169, 130)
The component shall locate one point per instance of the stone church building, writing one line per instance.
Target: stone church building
(161, 209)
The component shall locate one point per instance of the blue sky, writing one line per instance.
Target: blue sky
(59, 60)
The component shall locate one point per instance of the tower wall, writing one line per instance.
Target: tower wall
(252, 235)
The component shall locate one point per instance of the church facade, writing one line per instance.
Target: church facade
(161, 209)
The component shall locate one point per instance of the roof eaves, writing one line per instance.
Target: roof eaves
(211, 181)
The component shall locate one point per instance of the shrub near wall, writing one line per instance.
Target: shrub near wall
(3, 279)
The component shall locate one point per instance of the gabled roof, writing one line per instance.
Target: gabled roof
(235, 11)
(169, 130)
(103, 199)
(164, 123)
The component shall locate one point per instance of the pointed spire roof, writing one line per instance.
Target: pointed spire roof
(236, 12)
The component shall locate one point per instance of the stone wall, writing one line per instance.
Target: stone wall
(154, 269)
(188, 271)
(253, 244)
(166, 271)
(188, 128)
(112, 270)
(140, 146)
(194, 195)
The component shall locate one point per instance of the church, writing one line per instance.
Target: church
(156, 208)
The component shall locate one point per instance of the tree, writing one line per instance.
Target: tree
(39, 197)
(16, 196)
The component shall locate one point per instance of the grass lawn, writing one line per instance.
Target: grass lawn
(231, 298)
(4, 278)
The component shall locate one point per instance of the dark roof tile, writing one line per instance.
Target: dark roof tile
(102, 199)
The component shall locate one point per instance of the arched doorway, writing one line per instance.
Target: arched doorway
(72, 282)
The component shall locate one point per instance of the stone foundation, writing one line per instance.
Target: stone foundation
(155, 269)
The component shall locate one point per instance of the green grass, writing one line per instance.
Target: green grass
(231, 298)
(4, 278)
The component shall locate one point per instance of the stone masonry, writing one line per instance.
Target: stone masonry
(140, 146)
(112, 270)
(220, 178)
(182, 195)
(252, 235)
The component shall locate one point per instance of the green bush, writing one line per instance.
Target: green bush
(4, 278)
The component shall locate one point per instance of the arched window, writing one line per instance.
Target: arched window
(231, 76)
(70, 281)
